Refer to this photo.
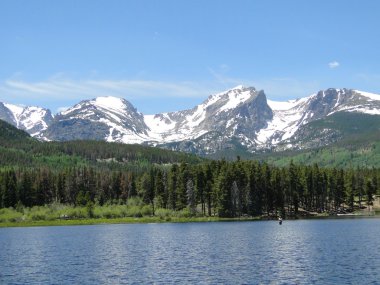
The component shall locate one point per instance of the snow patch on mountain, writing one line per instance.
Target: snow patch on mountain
(287, 118)
(235, 97)
(110, 103)
(191, 124)
(16, 112)
(372, 96)
(32, 119)
(111, 118)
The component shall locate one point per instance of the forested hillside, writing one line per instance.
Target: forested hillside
(354, 142)
(226, 189)
(18, 149)
(82, 173)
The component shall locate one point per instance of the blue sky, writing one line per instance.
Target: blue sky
(170, 55)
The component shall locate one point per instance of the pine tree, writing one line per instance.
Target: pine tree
(223, 194)
(235, 200)
(255, 194)
(370, 191)
(191, 197)
(26, 190)
(340, 189)
(10, 190)
(183, 177)
(351, 190)
(160, 194)
(172, 188)
(200, 188)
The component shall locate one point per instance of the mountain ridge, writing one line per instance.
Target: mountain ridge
(241, 117)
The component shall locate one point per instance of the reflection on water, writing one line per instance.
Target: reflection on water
(298, 252)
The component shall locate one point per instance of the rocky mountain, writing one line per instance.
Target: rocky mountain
(239, 112)
(33, 120)
(103, 118)
(240, 119)
(287, 128)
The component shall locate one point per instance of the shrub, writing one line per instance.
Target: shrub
(134, 211)
(163, 213)
(147, 210)
(10, 215)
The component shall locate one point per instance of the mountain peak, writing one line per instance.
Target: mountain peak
(238, 87)
(112, 103)
(32, 119)
(109, 103)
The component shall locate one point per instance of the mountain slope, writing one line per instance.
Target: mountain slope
(352, 140)
(9, 134)
(19, 149)
(32, 119)
(289, 117)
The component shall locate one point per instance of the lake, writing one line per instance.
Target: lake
(341, 251)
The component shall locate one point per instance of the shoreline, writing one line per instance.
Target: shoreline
(159, 220)
(126, 220)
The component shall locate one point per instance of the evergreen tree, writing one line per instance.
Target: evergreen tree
(200, 182)
(145, 189)
(10, 190)
(160, 193)
(370, 191)
(235, 200)
(26, 190)
(191, 197)
(223, 194)
(172, 187)
(183, 177)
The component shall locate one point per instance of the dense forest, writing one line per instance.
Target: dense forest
(221, 188)
(87, 173)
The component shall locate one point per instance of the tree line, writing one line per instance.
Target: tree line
(210, 188)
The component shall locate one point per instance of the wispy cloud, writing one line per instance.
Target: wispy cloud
(59, 88)
(334, 64)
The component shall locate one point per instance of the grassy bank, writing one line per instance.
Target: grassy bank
(126, 220)
(63, 215)
(134, 212)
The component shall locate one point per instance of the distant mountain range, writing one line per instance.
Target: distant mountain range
(240, 119)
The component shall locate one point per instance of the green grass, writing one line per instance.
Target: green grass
(62, 215)
(125, 220)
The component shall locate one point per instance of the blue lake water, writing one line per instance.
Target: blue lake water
(298, 252)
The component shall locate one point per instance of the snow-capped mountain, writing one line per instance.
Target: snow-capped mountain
(34, 120)
(237, 111)
(103, 118)
(289, 117)
(239, 118)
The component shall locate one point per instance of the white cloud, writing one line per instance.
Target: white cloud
(333, 64)
(59, 87)
(62, 91)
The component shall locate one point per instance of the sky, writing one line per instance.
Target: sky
(171, 55)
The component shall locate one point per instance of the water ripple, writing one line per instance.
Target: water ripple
(298, 252)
